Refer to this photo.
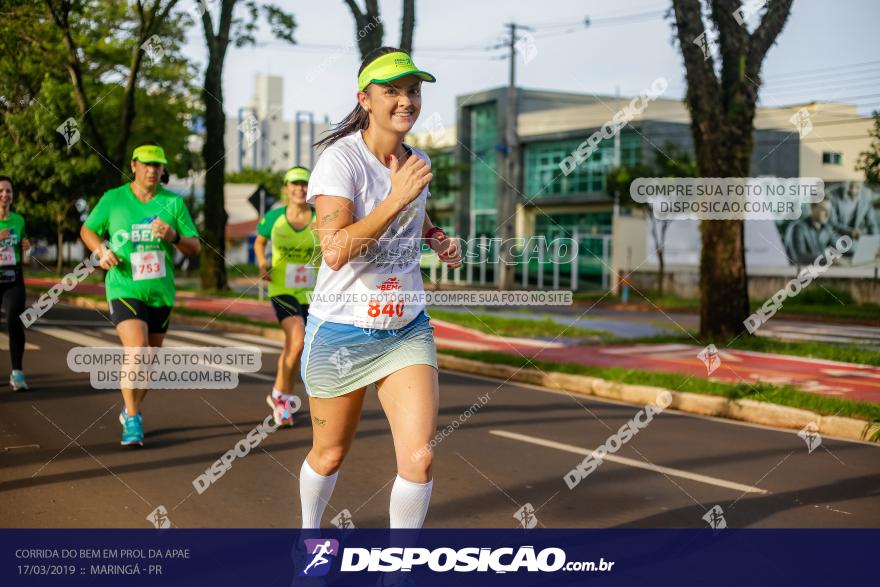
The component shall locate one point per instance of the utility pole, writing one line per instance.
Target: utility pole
(507, 205)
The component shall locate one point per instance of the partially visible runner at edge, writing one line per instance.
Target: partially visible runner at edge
(291, 276)
(13, 243)
(145, 221)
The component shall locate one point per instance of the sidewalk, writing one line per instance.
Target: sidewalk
(858, 382)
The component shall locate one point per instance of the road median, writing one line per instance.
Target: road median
(718, 406)
(746, 410)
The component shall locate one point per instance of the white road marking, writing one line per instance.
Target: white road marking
(171, 341)
(80, 339)
(640, 349)
(254, 338)
(215, 340)
(631, 462)
(76, 338)
(852, 373)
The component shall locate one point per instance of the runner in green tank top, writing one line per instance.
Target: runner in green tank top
(291, 277)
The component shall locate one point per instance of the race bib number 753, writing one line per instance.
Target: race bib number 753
(147, 265)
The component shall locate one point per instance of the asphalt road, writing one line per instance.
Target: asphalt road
(62, 465)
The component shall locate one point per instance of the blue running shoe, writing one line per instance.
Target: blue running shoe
(17, 381)
(123, 416)
(133, 431)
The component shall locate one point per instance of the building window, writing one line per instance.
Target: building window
(544, 178)
(442, 163)
(444, 221)
(485, 224)
(832, 158)
(483, 157)
(563, 225)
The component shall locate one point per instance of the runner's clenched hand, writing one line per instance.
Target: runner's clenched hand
(108, 260)
(162, 230)
(408, 180)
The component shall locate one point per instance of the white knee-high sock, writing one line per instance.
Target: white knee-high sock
(314, 493)
(409, 503)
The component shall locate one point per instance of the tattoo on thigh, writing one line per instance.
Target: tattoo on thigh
(319, 421)
(330, 217)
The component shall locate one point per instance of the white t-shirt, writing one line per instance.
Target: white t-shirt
(382, 289)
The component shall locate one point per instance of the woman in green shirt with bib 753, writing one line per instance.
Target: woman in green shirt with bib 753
(151, 221)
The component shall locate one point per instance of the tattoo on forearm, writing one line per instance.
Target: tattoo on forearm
(319, 421)
(330, 217)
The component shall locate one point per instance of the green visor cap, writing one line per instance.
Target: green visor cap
(388, 68)
(150, 154)
(297, 174)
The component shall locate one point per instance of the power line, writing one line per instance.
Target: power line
(866, 85)
(832, 68)
(872, 75)
(612, 14)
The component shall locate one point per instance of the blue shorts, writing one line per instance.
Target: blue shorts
(340, 358)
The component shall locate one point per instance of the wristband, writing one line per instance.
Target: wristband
(176, 238)
(434, 230)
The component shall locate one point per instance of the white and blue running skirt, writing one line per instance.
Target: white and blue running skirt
(340, 358)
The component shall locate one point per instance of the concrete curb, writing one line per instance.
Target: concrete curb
(745, 410)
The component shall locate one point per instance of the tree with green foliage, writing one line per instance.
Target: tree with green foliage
(39, 97)
(49, 179)
(140, 34)
(722, 106)
(869, 161)
(220, 29)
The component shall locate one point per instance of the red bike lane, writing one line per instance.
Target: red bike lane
(857, 382)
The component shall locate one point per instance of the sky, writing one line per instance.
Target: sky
(827, 50)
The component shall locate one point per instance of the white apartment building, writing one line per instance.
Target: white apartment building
(258, 136)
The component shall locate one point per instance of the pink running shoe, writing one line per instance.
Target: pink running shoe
(282, 411)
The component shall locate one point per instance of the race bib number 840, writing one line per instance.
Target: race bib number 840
(384, 301)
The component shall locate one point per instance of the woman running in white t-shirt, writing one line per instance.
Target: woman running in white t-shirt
(367, 321)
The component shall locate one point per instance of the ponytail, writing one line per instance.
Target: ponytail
(357, 120)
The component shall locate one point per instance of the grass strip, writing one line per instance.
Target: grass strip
(504, 326)
(782, 395)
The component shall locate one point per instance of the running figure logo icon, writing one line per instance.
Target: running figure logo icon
(710, 358)
(810, 435)
(159, 518)
(319, 549)
(715, 518)
(69, 131)
(526, 516)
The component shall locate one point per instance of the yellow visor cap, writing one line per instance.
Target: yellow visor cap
(150, 154)
(390, 67)
(297, 174)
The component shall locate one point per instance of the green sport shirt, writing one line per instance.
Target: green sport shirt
(17, 233)
(294, 254)
(146, 268)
